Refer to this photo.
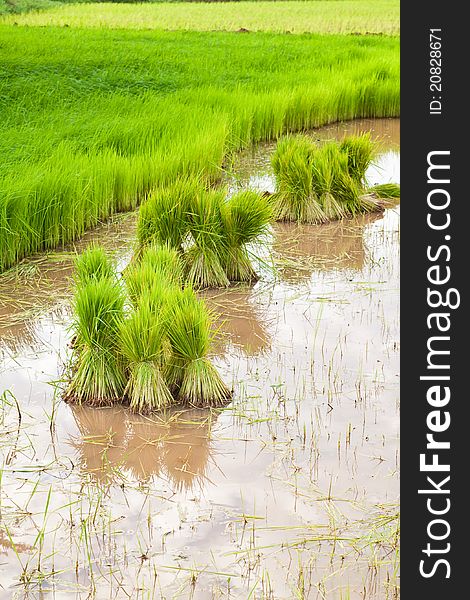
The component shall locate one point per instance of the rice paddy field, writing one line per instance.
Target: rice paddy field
(290, 488)
(318, 16)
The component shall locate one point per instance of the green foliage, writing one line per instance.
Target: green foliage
(209, 232)
(316, 183)
(93, 264)
(98, 376)
(320, 16)
(163, 215)
(386, 190)
(151, 354)
(245, 218)
(94, 120)
(141, 341)
(360, 152)
(190, 369)
(166, 263)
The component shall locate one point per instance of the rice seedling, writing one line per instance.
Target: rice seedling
(295, 198)
(190, 370)
(98, 374)
(93, 264)
(385, 190)
(133, 358)
(203, 256)
(213, 250)
(245, 218)
(325, 168)
(141, 338)
(149, 277)
(142, 282)
(360, 152)
(163, 215)
(320, 183)
(166, 262)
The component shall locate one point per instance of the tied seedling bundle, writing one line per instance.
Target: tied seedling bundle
(141, 340)
(214, 235)
(316, 184)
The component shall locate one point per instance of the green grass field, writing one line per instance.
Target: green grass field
(320, 16)
(92, 118)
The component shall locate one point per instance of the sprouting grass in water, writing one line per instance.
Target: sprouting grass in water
(166, 262)
(141, 339)
(203, 257)
(319, 183)
(360, 152)
(149, 347)
(143, 282)
(295, 198)
(325, 166)
(386, 190)
(207, 230)
(192, 372)
(98, 376)
(150, 275)
(163, 215)
(245, 218)
(93, 264)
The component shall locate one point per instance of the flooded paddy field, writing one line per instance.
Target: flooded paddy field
(289, 492)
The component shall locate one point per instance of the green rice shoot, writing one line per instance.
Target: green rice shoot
(93, 264)
(98, 375)
(141, 338)
(145, 343)
(196, 378)
(319, 183)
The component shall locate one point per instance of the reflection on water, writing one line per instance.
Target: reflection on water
(7, 544)
(175, 446)
(302, 249)
(238, 320)
(36, 285)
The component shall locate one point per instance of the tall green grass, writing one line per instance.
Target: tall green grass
(190, 370)
(93, 121)
(142, 343)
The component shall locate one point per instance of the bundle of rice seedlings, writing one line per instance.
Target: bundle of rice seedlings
(98, 378)
(287, 146)
(190, 370)
(295, 198)
(245, 218)
(163, 216)
(93, 263)
(346, 190)
(360, 152)
(369, 202)
(143, 282)
(385, 190)
(203, 256)
(327, 168)
(141, 338)
(166, 263)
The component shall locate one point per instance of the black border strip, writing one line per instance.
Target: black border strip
(426, 128)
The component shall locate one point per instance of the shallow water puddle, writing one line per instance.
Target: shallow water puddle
(290, 492)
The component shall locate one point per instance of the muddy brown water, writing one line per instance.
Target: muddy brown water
(290, 492)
